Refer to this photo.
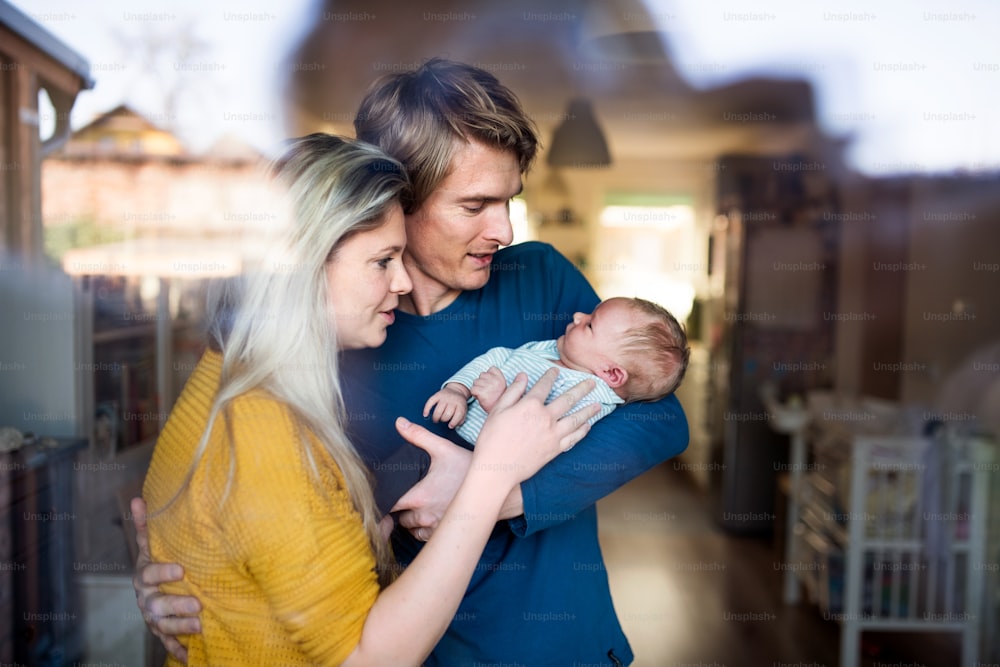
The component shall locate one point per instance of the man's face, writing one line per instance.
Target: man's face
(452, 237)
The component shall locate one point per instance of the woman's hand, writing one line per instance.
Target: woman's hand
(421, 508)
(522, 433)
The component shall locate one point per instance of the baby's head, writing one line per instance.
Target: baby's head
(656, 352)
(634, 345)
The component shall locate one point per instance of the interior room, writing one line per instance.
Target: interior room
(811, 194)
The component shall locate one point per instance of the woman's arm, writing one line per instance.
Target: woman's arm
(409, 617)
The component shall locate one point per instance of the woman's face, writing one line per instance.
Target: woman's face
(365, 279)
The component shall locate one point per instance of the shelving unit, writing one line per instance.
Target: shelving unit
(887, 532)
(38, 603)
(134, 335)
(775, 257)
(126, 344)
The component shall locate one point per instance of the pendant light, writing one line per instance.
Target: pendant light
(579, 141)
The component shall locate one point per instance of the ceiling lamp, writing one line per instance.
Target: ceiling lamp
(579, 141)
(628, 31)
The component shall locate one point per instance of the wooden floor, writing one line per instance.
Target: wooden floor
(688, 593)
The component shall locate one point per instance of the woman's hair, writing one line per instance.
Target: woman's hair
(275, 327)
(419, 117)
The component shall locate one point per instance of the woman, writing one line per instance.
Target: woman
(254, 485)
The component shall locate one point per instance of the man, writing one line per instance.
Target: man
(540, 595)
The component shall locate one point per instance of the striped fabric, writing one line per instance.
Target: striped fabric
(533, 359)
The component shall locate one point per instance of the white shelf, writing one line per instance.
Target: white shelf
(868, 554)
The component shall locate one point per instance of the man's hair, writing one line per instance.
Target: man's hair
(419, 117)
(657, 353)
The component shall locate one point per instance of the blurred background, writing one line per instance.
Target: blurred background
(812, 188)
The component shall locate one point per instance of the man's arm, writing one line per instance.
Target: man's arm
(619, 448)
(166, 615)
(426, 501)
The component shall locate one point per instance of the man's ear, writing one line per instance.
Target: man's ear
(614, 375)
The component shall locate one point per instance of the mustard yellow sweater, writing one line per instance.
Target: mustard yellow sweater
(284, 573)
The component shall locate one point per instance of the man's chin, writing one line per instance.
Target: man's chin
(478, 280)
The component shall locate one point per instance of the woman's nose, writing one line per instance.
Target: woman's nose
(401, 283)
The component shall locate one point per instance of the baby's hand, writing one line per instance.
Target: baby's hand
(488, 387)
(449, 404)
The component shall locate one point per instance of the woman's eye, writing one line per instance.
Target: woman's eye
(384, 263)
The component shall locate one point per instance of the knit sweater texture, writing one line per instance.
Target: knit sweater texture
(282, 565)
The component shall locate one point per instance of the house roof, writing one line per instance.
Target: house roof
(23, 26)
(122, 117)
(126, 121)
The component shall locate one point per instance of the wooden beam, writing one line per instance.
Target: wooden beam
(5, 160)
(24, 54)
(27, 190)
(24, 69)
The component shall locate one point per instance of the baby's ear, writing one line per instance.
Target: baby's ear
(614, 375)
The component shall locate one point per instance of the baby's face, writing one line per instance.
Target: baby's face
(592, 341)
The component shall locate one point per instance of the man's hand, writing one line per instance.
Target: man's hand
(422, 507)
(449, 404)
(488, 387)
(166, 615)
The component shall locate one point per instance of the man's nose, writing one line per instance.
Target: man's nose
(499, 228)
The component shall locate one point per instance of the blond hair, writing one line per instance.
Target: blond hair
(277, 321)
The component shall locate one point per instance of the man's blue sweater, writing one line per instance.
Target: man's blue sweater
(540, 594)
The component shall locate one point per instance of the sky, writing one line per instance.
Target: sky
(204, 69)
(915, 85)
